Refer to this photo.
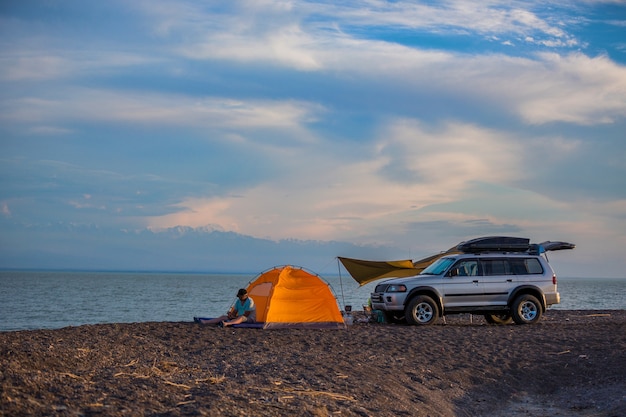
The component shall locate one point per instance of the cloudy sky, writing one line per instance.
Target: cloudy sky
(238, 135)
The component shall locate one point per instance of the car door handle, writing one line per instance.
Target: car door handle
(475, 281)
(509, 280)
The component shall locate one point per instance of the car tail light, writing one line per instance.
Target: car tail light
(554, 279)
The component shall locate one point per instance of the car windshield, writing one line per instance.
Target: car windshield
(438, 267)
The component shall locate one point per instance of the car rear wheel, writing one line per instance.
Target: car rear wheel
(526, 309)
(422, 310)
(498, 318)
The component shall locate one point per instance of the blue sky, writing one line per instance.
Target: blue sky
(234, 136)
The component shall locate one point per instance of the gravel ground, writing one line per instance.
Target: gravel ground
(571, 363)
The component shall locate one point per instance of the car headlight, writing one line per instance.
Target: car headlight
(396, 288)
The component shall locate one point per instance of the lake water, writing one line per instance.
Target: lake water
(49, 300)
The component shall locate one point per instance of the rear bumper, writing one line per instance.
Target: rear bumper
(553, 298)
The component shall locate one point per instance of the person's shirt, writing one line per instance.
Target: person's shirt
(247, 305)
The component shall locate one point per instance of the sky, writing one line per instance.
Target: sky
(234, 136)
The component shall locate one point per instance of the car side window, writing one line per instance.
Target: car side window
(526, 266)
(465, 268)
(500, 266)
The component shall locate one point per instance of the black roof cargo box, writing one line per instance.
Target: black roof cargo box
(495, 244)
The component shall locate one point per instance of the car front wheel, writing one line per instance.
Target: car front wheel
(526, 309)
(422, 310)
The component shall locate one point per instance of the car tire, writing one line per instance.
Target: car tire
(526, 309)
(421, 310)
(498, 318)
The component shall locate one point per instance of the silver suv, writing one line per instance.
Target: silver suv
(504, 279)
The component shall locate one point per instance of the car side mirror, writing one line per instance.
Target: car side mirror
(453, 272)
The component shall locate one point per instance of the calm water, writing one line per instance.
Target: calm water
(48, 300)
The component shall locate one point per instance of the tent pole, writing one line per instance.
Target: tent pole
(343, 300)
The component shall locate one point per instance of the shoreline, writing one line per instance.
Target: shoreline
(358, 315)
(573, 362)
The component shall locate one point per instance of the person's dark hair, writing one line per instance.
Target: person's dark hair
(241, 292)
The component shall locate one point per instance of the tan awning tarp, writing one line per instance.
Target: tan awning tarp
(365, 272)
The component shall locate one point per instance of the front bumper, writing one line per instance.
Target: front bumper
(388, 301)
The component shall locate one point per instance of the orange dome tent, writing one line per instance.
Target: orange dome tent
(288, 297)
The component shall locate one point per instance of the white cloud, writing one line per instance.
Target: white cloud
(32, 67)
(288, 46)
(25, 62)
(573, 88)
(164, 109)
(4, 209)
(451, 157)
(301, 34)
(450, 17)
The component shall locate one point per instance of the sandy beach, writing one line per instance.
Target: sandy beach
(572, 363)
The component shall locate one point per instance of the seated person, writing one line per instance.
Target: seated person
(244, 311)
